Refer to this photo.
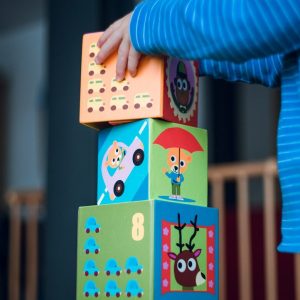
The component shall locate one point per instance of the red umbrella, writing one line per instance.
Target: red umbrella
(178, 138)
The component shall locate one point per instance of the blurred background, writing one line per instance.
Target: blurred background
(48, 161)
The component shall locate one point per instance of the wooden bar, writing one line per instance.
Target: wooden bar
(218, 201)
(244, 243)
(269, 206)
(14, 251)
(231, 171)
(31, 252)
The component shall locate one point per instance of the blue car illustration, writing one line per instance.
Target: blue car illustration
(132, 266)
(91, 246)
(112, 268)
(90, 268)
(111, 289)
(91, 225)
(90, 289)
(133, 289)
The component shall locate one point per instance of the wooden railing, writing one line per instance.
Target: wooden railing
(241, 174)
(24, 209)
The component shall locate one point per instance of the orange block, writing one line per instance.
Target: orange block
(165, 88)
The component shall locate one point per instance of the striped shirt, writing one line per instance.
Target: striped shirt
(255, 41)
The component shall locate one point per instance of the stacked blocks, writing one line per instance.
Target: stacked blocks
(151, 235)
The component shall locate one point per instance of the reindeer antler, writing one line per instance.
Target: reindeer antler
(191, 246)
(180, 228)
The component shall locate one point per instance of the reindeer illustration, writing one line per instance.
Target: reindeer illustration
(186, 269)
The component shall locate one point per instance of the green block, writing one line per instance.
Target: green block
(130, 250)
(152, 159)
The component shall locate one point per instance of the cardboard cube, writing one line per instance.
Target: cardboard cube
(150, 159)
(148, 249)
(164, 88)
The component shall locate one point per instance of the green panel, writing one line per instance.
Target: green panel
(194, 186)
(116, 240)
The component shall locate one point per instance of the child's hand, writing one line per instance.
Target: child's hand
(117, 37)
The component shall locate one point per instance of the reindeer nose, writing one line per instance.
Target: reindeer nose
(200, 278)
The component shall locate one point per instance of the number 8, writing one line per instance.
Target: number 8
(137, 231)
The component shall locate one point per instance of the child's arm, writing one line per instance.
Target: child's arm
(230, 30)
(264, 71)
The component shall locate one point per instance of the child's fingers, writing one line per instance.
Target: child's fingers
(106, 34)
(133, 61)
(122, 59)
(108, 48)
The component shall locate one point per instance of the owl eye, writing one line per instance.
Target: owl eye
(181, 265)
(192, 264)
(173, 158)
(179, 84)
(184, 85)
(182, 163)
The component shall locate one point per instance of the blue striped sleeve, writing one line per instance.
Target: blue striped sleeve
(230, 30)
(265, 71)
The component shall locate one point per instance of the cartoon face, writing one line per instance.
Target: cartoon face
(176, 154)
(186, 268)
(182, 87)
(115, 156)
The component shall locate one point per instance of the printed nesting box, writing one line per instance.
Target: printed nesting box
(164, 88)
(148, 249)
(150, 159)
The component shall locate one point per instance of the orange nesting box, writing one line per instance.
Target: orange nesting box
(165, 88)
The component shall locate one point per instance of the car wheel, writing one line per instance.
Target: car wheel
(107, 273)
(87, 230)
(87, 251)
(96, 251)
(86, 294)
(96, 273)
(96, 294)
(118, 295)
(119, 188)
(86, 273)
(140, 295)
(128, 295)
(107, 294)
(138, 157)
(97, 230)
(128, 271)
(118, 273)
(139, 271)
